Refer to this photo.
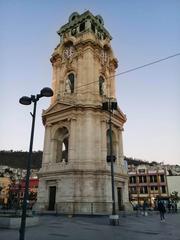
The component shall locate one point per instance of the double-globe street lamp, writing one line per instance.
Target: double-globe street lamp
(109, 106)
(45, 92)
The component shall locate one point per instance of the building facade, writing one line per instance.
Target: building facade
(147, 183)
(174, 185)
(17, 190)
(75, 176)
(4, 190)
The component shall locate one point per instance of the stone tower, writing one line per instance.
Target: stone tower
(75, 176)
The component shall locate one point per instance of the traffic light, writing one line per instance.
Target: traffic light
(105, 106)
(109, 158)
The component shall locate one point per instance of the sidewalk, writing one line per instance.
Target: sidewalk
(97, 228)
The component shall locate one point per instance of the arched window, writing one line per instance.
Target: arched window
(62, 140)
(113, 143)
(102, 87)
(70, 83)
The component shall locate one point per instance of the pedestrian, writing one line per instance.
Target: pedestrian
(144, 208)
(169, 206)
(175, 207)
(162, 210)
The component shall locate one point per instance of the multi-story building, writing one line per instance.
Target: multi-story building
(12, 185)
(174, 185)
(172, 170)
(147, 183)
(18, 188)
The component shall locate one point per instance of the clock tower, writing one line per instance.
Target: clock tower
(75, 176)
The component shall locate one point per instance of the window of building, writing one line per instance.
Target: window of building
(153, 178)
(132, 179)
(144, 179)
(93, 27)
(143, 190)
(61, 145)
(73, 32)
(73, 18)
(21, 194)
(69, 88)
(162, 178)
(140, 179)
(154, 188)
(133, 190)
(141, 170)
(163, 189)
(101, 86)
(82, 27)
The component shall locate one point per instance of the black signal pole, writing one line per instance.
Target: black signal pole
(109, 106)
(112, 164)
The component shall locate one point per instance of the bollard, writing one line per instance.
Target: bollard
(114, 220)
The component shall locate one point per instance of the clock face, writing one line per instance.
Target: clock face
(68, 52)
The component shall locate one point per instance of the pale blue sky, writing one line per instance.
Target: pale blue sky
(142, 31)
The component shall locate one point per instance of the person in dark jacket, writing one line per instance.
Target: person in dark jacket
(162, 210)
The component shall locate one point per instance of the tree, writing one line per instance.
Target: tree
(174, 196)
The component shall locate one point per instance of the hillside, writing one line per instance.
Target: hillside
(17, 159)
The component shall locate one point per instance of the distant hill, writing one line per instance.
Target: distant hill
(138, 162)
(18, 159)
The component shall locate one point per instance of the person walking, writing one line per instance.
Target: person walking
(162, 210)
(169, 206)
(145, 205)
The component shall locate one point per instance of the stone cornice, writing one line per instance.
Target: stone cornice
(76, 172)
(80, 18)
(60, 111)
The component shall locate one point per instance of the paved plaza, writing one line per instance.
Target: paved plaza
(131, 227)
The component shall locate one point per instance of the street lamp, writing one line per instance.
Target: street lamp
(45, 92)
(109, 106)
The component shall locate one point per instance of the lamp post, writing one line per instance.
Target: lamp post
(45, 92)
(109, 106)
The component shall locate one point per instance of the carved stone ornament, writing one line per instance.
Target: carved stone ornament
(56, 58)
(103, 69)
(104, 56)
(68, 64)
(96, 54)
(68, 52)
(80, 52)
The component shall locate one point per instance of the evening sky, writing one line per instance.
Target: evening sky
(143, 31)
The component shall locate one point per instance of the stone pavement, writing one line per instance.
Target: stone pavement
(131, 227)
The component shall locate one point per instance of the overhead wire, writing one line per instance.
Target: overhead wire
(131, 70)
(147, 64)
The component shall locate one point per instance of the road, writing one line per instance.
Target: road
(131, 227)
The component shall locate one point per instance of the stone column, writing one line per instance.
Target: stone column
(121, 155)
(103, 141)
(72, 141)
(88, 136)
(47, 144)
(53, 147)
(57, 83)
(41, 195)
